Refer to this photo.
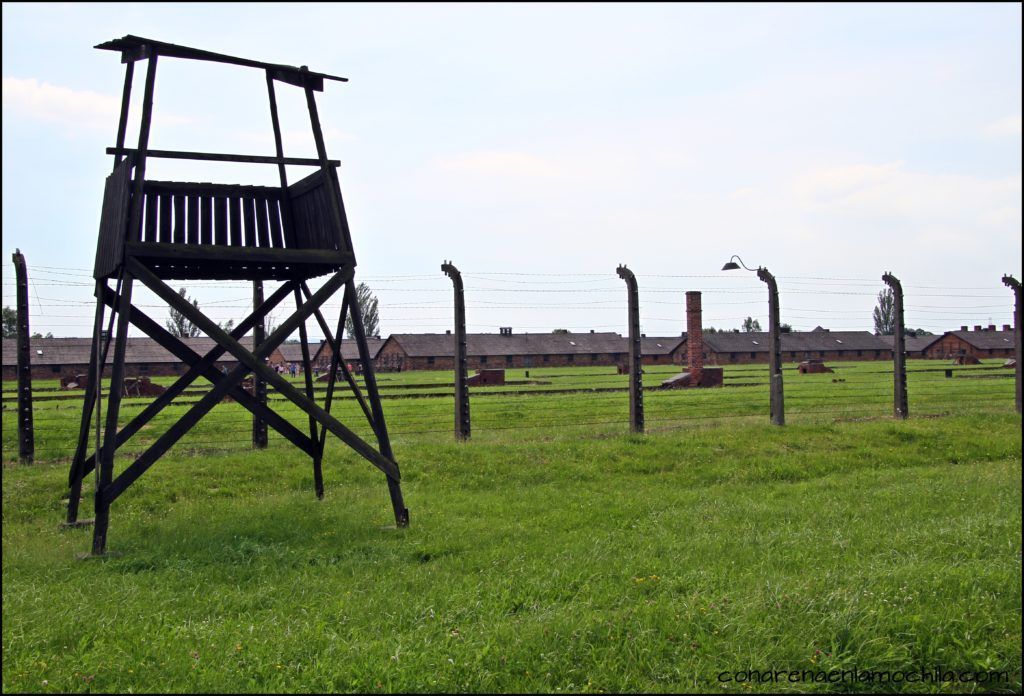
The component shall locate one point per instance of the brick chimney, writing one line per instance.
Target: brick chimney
(1007, 327)
(694, 335)
(977, 327)
(963, 328)
(991, 327)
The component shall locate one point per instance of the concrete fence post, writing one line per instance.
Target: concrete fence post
(636, 389)
(462, 418)
(26, 436)
(899, 350)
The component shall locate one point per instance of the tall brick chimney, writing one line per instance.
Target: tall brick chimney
(694, 335)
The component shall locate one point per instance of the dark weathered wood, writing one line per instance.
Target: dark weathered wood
(276, 124)
(152, 215)
(334, 340)
(249, 217)
(138, 158)
(462, 416)
(338, 232)
(332, 376)
(133, 44)
(126, 99)
(218, 253)
(273, 210)
(26, 433)
(307, 371)
(113, 219)
(223, 157)
(262, 224)
(255, 363)
(164, 225)
(106, 458)
(205, 188)
(133, 55)
(76, 473)
(307, 80)
(636, 389)
(900, 404)
(192, 226)
(202, 366)
(220, 220)
(284, 203)
(259, 335)
(235, 206)
(179, 219)
(380, 426)
(205, 219)
(152, 230)
(193, 415)
(249, 361)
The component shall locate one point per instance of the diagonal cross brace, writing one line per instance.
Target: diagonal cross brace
(202, 366)
(335, 344)
(162, 290)
(198, 367)
(193, 415)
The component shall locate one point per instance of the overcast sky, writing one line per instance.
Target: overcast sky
(829, 143)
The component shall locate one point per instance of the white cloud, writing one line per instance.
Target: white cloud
(77, 111)
(891, 191)
(1009, 126)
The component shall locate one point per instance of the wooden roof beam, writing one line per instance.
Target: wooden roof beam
(133, 48)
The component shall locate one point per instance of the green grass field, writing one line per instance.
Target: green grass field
(552, 552)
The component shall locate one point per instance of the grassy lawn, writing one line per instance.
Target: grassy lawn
(552, 552)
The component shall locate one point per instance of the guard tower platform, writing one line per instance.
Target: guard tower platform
(155, 231)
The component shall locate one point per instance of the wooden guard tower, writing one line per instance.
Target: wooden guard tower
(155, 231)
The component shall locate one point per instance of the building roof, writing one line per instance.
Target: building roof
(913, 344)
(985, 340)
(292, 352)
(663, 345)
(349, 349)
(75, 351)
(794, 341)
(443, 345)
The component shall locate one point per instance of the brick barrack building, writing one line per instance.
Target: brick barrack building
(53, 358)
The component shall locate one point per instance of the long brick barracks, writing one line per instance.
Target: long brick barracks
(54, 358)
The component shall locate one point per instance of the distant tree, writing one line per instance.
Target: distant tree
(751, 324)
(785, 328)
(180, 326)
(49, 334)
(885, 313)
(10, 323)
(917, 332)
(227, 326)
(560, 331)
(709, 329)
(369, 305)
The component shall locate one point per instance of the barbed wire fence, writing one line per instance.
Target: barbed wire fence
(561, 401)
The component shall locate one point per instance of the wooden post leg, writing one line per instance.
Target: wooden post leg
(259, 334)
(94, 377)
(106, 459)
(318, 474)
(380, 427)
